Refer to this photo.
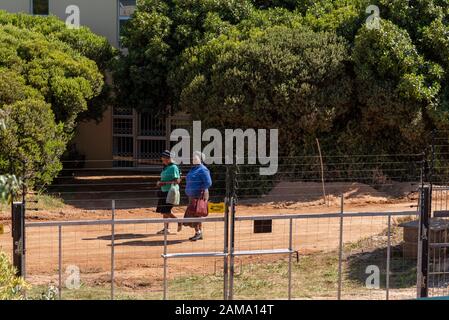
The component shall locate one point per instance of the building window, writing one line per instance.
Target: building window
(127, 7)
(126, 10)
(40, 7)
(122, 126)
(122, 26)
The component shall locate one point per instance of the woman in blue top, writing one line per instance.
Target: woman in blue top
(170, 177)
(198, 182)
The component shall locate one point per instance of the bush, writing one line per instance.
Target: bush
(308, 67)
(32, 141)
(50, 78)
(9, 185)
(287, 78)
(396, 88)
(52, 70)
(11, 286)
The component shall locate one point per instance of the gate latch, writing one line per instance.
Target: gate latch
(424, 233)
(19, 245)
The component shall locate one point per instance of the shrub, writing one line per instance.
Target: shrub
(51, 77)
(11, 286)
(32, 141)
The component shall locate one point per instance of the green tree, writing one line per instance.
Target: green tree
(155, 38)
(32, 142)
(342, 16)
(51, 77)
(414, 15)
(397, 89)
(436, 43)
(309, 67)
(63, 77)
(80, 41)
(291, 79)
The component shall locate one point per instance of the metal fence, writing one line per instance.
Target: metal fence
(343, 255)
(292, 235)
(334, 257)
(438, 254)
(436, 243)
(115, 257)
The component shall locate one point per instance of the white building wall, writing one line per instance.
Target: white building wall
(15, 6)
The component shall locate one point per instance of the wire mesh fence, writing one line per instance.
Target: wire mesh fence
(331, 256)
(438, 271)
(307, 256)
(324, 258)
(86, 259)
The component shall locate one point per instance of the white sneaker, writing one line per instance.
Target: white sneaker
(197, 236)
(163, 232)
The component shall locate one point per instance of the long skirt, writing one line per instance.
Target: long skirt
(188, 215)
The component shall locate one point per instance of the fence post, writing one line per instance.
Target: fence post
(113, 250)
(18, 234)
(340, 250)
(165, 262)
(60, 262)
(225, 250)
(423, 243)
(232, 259)
(290, 248)
(387, 284)
(24, 193)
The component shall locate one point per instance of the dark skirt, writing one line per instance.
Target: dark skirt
(162, 206)
(190, 224)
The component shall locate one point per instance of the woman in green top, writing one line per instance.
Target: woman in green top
(170, 177)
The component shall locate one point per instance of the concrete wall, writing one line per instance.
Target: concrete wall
(95, 141)
(101, 16)
(15, 5)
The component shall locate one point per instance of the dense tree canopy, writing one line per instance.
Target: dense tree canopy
(32, 140)
(311, 68)
(300, 72)
(73, 42)
(50, 78)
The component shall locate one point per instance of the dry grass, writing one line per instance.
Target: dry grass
(315, 276)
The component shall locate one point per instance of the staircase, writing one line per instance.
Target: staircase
(95, 189)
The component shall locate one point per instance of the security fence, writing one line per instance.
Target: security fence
(434, 224)
(336, 227)
(108, 260)
(343, 255)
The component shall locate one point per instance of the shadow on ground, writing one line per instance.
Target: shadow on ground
(139, 243)
(124, 236)
(156, 243)
(402, 270)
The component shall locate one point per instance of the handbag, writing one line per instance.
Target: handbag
(198, 207)
(173, 196)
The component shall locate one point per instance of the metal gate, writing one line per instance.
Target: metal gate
(231, 246)
(433, 262)
(139, 137)
(439, 243)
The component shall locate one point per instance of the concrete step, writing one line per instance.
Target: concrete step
(96, 189)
